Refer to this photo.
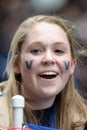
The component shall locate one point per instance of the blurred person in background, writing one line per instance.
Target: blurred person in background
(76, 11)
(12, 13)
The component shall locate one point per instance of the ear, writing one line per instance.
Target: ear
(73, 65)
(16, 67)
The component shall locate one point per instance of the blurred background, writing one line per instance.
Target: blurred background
(13, 12)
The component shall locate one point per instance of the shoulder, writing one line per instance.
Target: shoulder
(4, 112)
(4, 87)
(83, 127)
(80, 118)
(5, 104)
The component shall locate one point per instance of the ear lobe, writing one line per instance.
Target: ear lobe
(73, 65)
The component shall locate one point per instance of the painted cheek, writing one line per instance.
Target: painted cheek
(66, 65)
(29, 64)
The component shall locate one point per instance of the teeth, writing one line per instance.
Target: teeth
(49, 73)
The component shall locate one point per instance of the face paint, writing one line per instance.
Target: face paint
(29, 64)
(66, 65)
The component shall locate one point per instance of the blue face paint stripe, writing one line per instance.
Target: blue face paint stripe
(66, 65)
(29, 64)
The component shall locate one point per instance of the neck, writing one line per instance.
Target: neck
(40, 104)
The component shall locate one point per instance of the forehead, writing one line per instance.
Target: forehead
(50, 31)
(45, 26)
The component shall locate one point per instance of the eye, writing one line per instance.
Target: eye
(58, 51)
(36, 51)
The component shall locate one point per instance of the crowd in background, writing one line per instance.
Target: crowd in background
(13, 12)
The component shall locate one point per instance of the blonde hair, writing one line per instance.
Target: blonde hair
(70, 106)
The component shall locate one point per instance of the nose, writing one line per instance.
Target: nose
(48, 58)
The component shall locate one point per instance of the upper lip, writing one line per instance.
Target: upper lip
(49, 72)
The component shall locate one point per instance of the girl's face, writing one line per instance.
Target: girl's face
(45, 63)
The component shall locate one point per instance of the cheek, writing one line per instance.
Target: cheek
(26, 65)
(26, 70)
(64, 65)
(29, 64)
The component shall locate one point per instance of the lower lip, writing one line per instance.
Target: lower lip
(44, 79)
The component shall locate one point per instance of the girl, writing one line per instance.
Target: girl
(40, 67)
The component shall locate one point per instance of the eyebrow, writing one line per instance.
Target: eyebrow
(37, 42)
(41, 43)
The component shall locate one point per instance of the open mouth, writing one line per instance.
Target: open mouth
(48, 75)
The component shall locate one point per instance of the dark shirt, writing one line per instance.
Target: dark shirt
(85, 127)
(46, 117)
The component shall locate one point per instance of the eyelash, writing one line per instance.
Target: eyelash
(38, 51)
(59, 51)
(35, 51)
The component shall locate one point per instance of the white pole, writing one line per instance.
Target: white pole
(18, 103)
